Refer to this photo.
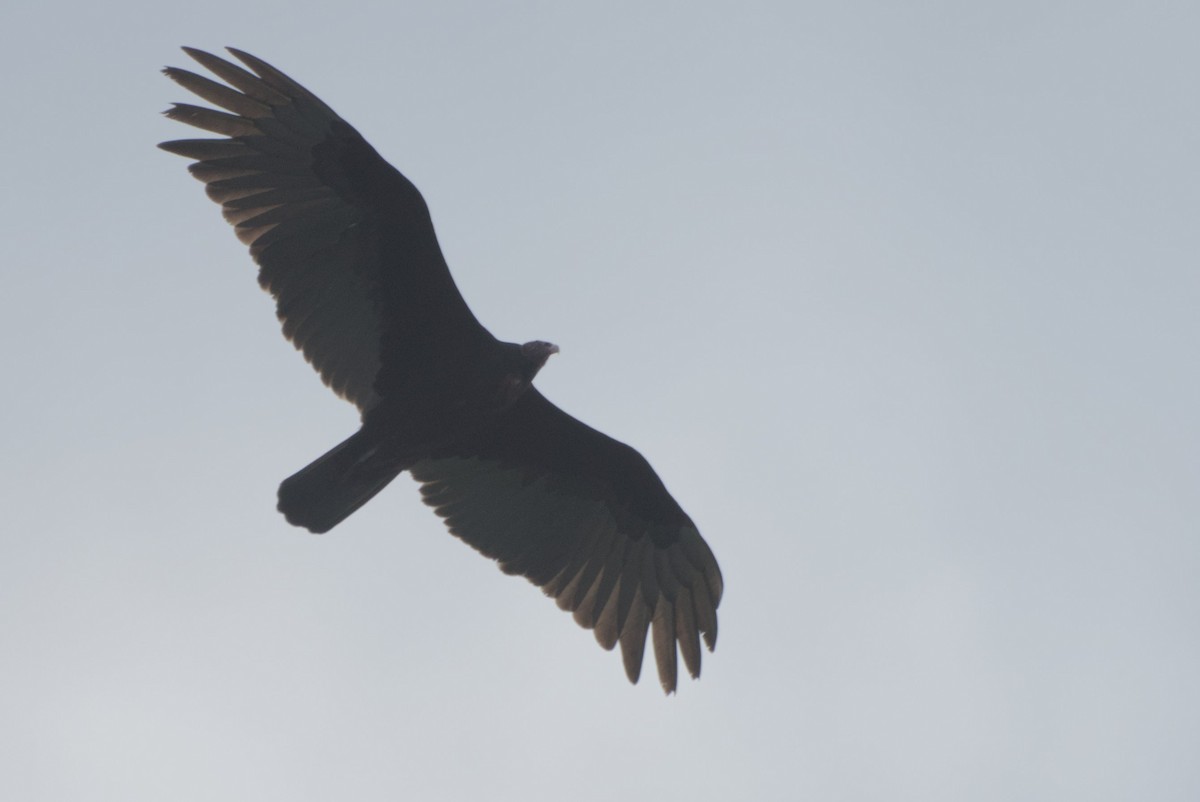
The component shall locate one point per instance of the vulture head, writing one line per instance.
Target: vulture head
(535, 353)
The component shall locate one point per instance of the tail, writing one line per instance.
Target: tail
(322, 495)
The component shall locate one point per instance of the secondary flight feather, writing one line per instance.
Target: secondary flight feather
(346, 246)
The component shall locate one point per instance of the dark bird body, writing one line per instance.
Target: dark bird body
(346, 246)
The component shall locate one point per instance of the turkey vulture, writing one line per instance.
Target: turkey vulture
(345, 245)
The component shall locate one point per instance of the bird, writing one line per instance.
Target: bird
(346, 246)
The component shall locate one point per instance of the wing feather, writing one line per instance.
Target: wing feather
(343, 241)
(585, 518)
(632, 634)
(663, 629)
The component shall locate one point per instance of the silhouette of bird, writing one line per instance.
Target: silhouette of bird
(346, 246)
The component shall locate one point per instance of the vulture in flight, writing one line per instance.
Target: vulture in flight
(345, 245)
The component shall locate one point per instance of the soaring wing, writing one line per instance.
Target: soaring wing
(343, 241)
(585, 518)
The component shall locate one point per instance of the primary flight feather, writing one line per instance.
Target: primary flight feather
(346, 246)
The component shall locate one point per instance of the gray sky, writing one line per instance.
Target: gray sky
(900, 299)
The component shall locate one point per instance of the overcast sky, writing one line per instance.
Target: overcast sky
(900, 299)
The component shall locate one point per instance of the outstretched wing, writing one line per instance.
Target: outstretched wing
(343, 241)
(584, 517)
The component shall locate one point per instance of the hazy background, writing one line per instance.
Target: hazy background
(900, 298)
